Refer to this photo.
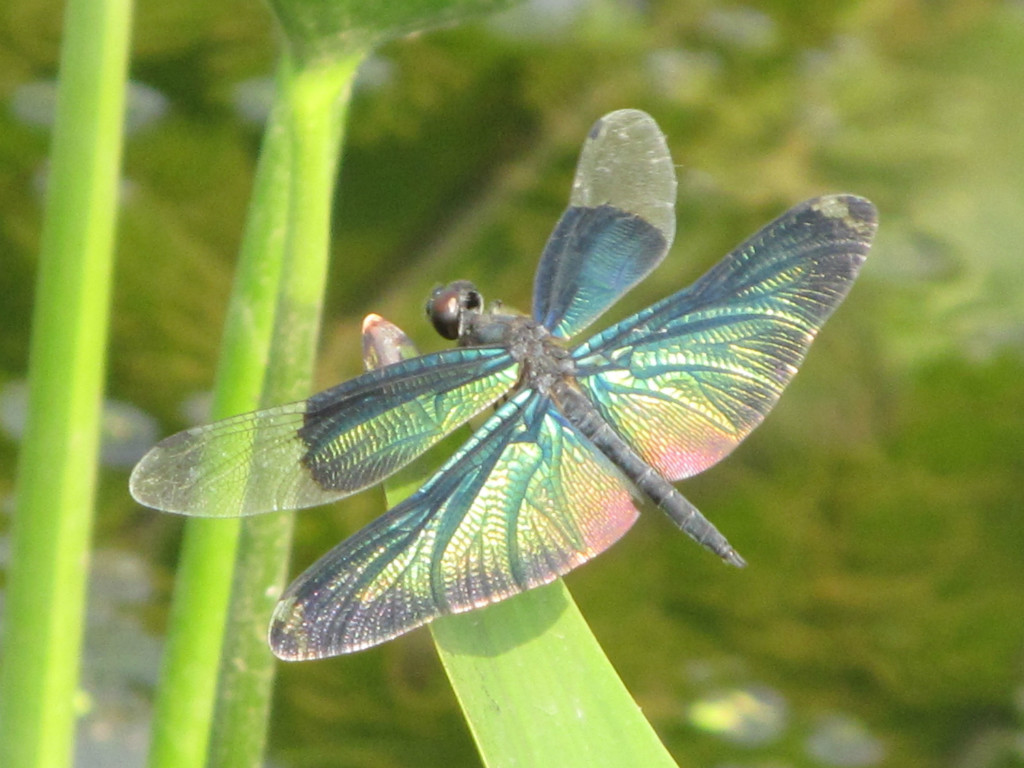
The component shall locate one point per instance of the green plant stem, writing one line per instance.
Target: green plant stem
(45, 596)
(187, 692)
(533, 682)
(317, 97)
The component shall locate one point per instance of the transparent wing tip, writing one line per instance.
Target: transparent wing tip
(156, 480)
(619, 119)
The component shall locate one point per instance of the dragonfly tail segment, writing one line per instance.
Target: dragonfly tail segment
(691, 522)
(578, 409)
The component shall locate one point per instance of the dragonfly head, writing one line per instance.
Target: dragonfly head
(450, 307)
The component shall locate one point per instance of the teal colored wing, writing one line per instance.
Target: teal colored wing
(685, 380)
(524, 501)
(618, 227)
(329, 446)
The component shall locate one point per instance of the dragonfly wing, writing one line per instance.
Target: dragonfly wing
(329, 446)
(618, 227)
(687, 379)
(527, 499)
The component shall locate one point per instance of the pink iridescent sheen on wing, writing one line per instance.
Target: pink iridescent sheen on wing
(525, 501)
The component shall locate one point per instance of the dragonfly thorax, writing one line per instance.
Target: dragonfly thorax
(543, 358)
(457, 312)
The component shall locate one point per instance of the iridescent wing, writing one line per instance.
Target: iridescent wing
(617, 228)
(329, 446)
(524, 501)
(685, 380)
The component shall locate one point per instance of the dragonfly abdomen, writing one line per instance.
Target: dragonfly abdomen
(580, 411)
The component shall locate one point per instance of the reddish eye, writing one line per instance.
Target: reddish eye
(447, 304)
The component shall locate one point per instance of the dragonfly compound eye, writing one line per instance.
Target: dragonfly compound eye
(447, 305)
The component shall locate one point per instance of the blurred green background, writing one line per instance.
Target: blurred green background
(881, 620)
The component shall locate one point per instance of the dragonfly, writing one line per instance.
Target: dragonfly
(581, 433)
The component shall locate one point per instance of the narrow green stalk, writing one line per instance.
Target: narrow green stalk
(317, 97)
(50, 536)
(188, 687)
